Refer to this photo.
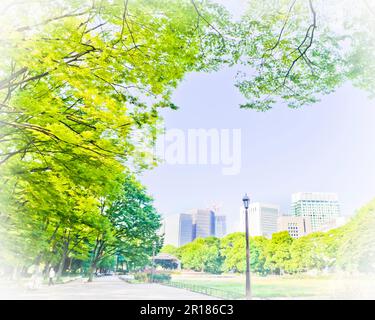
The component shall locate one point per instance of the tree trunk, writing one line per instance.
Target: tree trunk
(91, 272)
(61, 266)
(15, 272)
(37, 265)
(98, 250)
(24, 270)
(46, 269)
(70, 265)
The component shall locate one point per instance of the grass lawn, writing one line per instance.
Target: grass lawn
(275, 287)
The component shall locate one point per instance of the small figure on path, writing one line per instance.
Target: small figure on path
(51, 275)
(35, 279)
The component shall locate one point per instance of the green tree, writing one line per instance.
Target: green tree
(170, 249)
(107, 264)
(133, 225)
(356, 251)
(202, 255)
(301, 255)
(278, 252)
(80, 91)
(258, 255)
(233, 249)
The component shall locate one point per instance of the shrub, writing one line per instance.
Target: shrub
(159, 277)
(152, 277)
(141, 277)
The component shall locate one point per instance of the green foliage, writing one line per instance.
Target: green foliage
(278, 252)
(159, 277)
(131, 228)
(202, 255)
(152, 276)
(141, 277)
(294, 52)
(107, 263)
(81, 85)
(135, 223)
(258, 255)
(233, 249)
(356, 251)
(315, 251)
(170, 249)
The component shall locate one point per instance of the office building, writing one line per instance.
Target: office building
(320, 207)
(203, 223)
(178, 229)
(262, 219)
(333, 224)
(296, 226)
(220, 226)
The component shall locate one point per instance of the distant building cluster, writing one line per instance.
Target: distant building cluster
(199, 223)
(310, 212)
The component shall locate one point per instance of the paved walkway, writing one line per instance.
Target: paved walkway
(105, 288)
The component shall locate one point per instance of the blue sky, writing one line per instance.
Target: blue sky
(328, 147)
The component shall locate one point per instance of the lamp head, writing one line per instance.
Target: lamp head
(246, 201)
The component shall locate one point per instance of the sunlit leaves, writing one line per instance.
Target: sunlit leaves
(81, 91)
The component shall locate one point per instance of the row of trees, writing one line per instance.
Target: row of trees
(81, 86)
(350, 248)
(83, 239)
(80, 89)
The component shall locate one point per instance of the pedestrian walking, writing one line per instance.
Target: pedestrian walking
(51, 276)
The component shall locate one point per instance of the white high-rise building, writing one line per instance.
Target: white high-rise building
(178, 229)
(320, 207)
(262, 219)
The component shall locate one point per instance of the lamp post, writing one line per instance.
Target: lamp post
(246, 201)
(153, 261)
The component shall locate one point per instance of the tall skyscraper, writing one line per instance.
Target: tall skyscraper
(296, 226)
(178, 229)
(262, 219)
(203, 223)
(185, 227)
(220, 226)
(320, 207)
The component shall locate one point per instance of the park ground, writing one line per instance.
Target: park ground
(271, 287)
(288, 287)
(104, 288)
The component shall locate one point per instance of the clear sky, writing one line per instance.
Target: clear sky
(328, 147)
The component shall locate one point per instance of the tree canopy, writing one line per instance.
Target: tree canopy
(82, 84)
(81, 87)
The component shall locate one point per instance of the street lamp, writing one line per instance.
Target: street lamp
(246, 201)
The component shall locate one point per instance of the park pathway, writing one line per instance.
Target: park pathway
(104, 288)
